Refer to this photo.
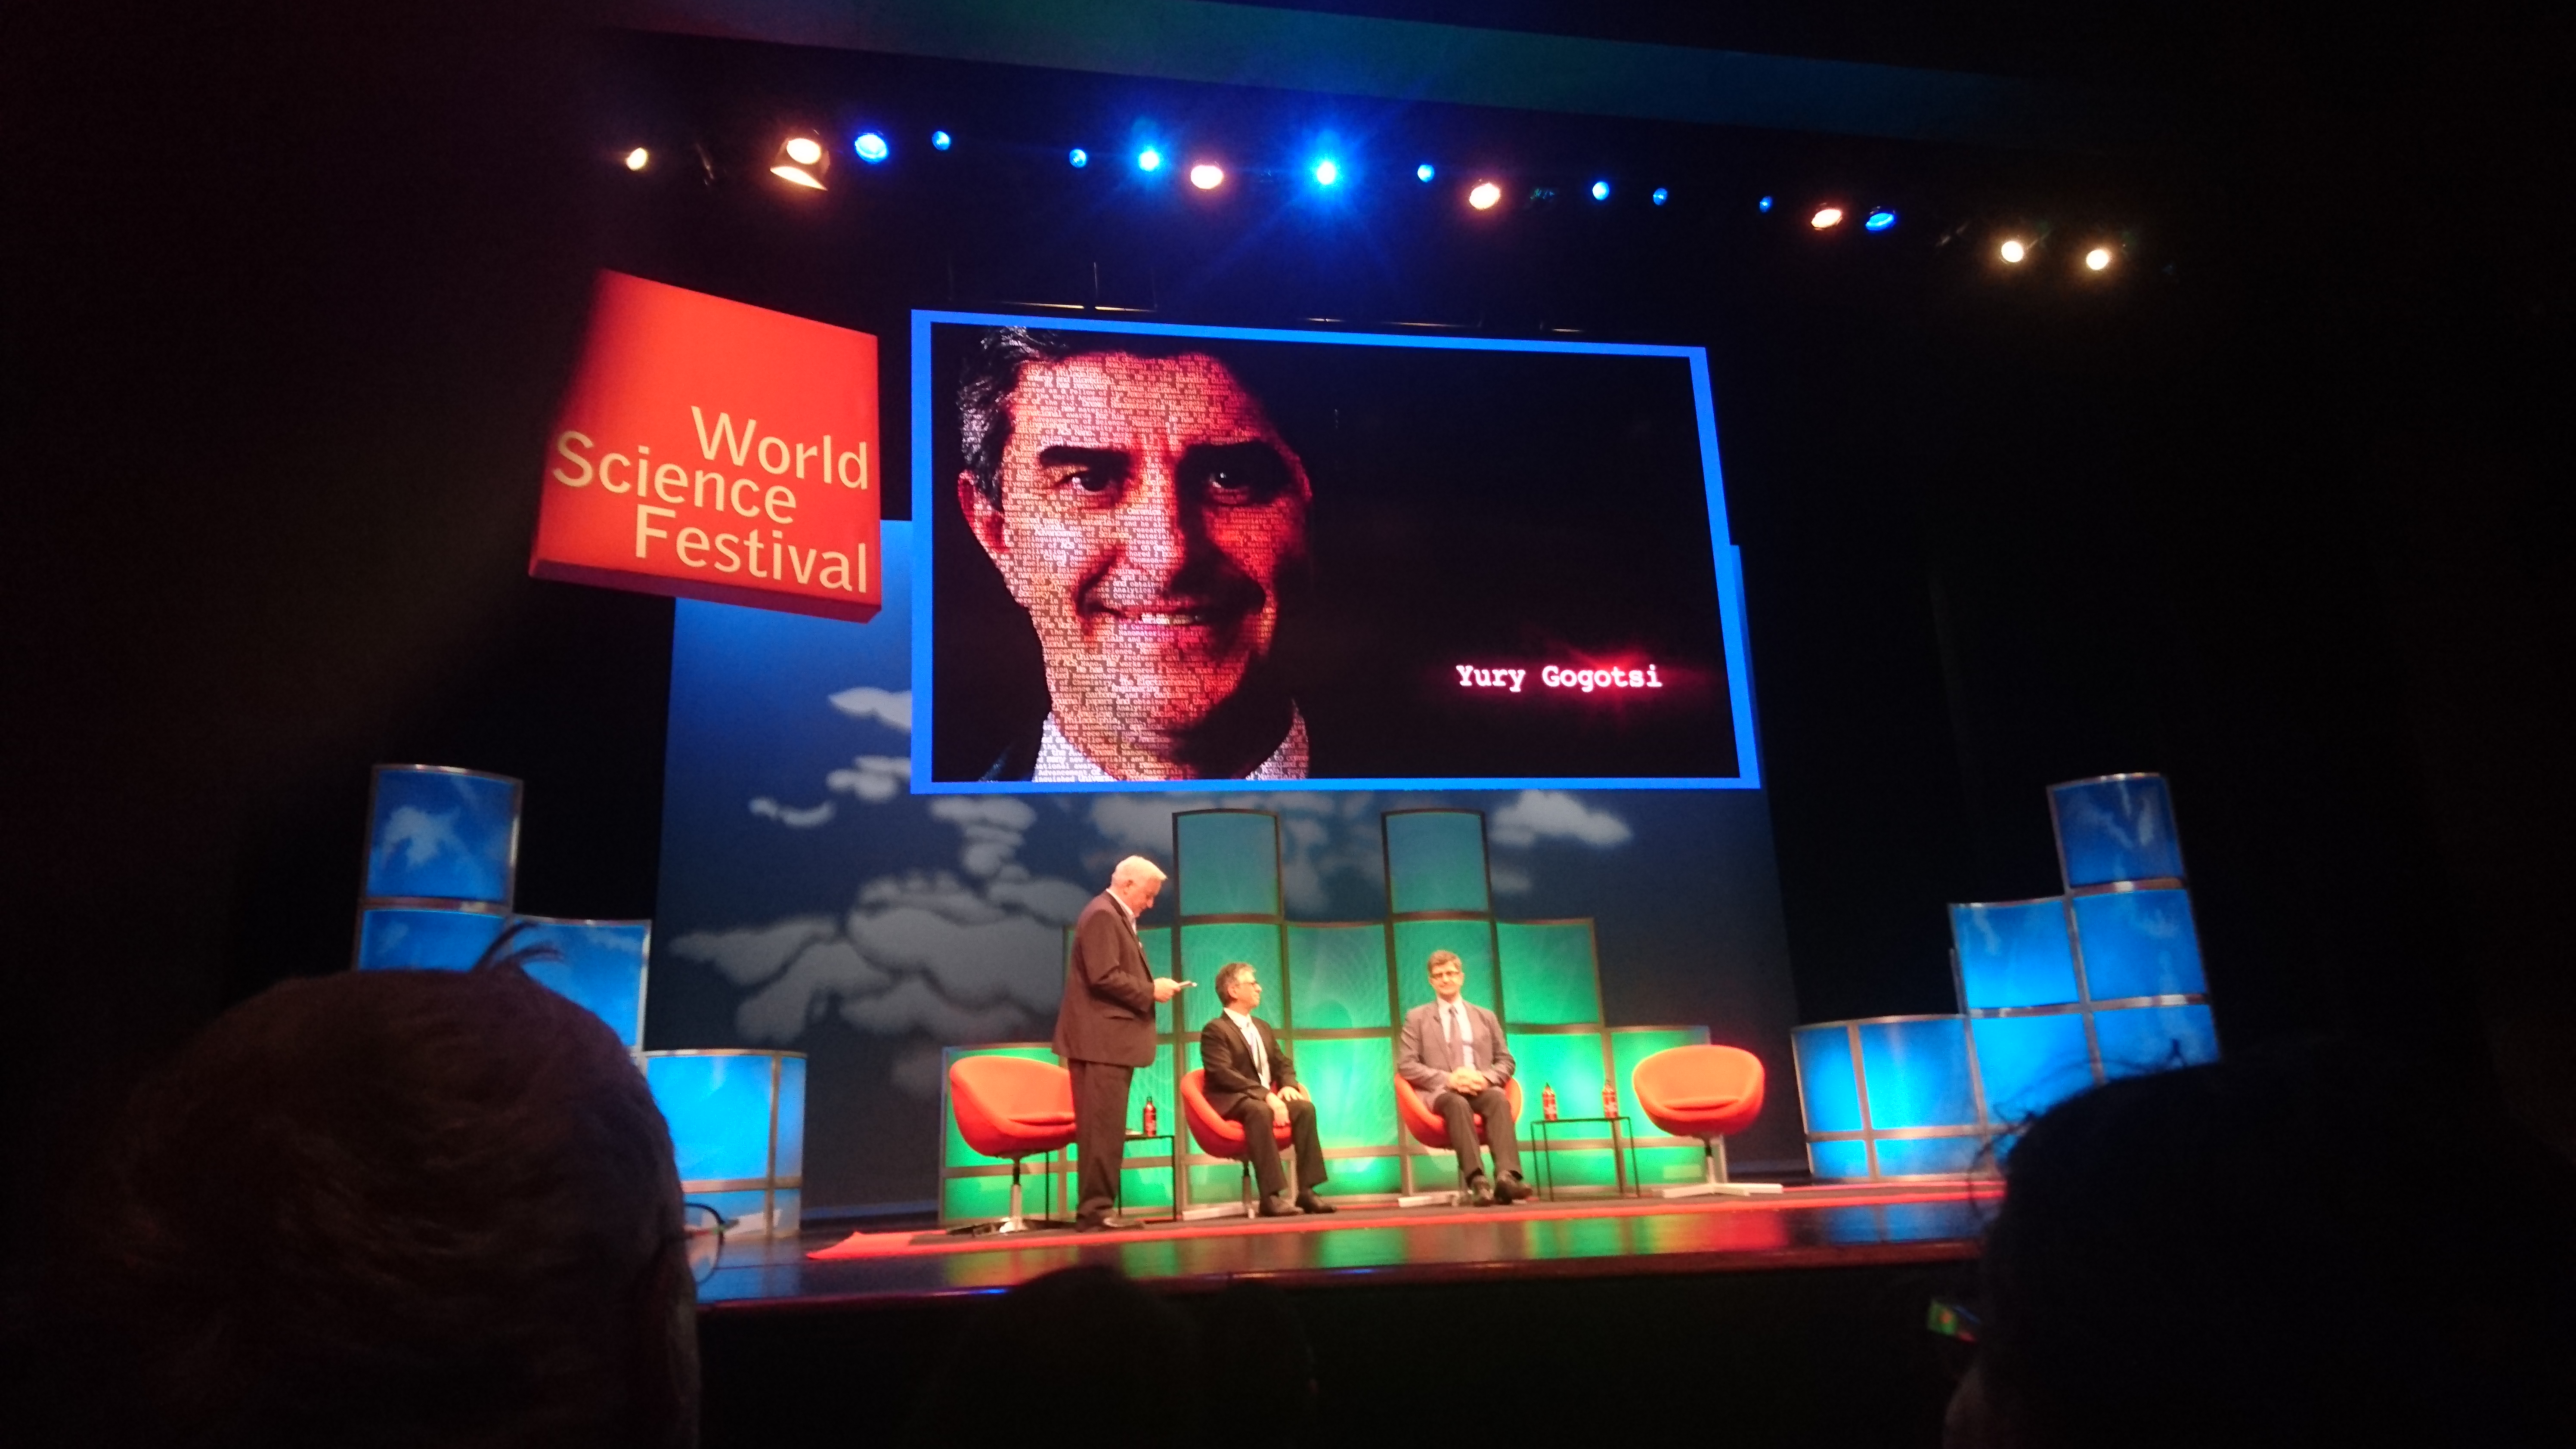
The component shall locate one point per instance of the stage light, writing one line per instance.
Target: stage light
(1826, 217)
(1078, 157)
(1879, 220)
(1484, 196)
(1207, 176)
(638, 159)
(1661, 196)
(2098, 259)
(870, 146)
(1763, 206)
(1327, 171)
(1423, 173)
(1149, 159)
(940, 140)
(2012, 250)
(801, 161)
(1601, 191)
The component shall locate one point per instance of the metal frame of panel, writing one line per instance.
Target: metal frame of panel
(367, 850)
(1870, 1133)
(771, 1186)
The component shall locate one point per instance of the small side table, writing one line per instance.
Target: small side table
(1120, 1203)
(1623, 1150)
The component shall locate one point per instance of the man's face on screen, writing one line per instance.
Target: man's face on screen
(1150, 516)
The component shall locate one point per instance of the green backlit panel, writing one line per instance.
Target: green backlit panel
(1570, 1167)
(1206, 948)
(1671, 1166)
(956, 1153)
(1352, 1080)
(1569, 1060)
(1229, 863)
(1145, 1188)
(1416, 940)
(1337, 976)
(1435, 861)
(1353, 1176)
(1630, 1045)
(1549, 974)
(963, 1199)
(1215, 1183)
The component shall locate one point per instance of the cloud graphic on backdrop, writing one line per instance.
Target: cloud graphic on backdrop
(1554, 815)
(888, 706)
(419, 835)
(969, 957)
(792, 817)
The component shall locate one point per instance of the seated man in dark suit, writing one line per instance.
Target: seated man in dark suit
(1453, 1054)
(1250, 1079)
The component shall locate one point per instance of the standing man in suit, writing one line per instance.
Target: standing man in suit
(1104, 1029)
(1453, 1054)
(1250, 1079)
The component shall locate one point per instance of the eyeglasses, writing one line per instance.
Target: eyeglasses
(703, 1229)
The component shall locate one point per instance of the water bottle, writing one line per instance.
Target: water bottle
(1609, 1099)
(1149, 1119)
(1547, 1100)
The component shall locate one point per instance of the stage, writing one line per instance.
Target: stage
(1803, 1227)
(1795, 1319)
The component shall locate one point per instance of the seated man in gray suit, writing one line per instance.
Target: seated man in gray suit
(1453, 1054)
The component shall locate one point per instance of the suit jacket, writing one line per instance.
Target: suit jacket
(1108, 1010)
(1228, 1061)
(1424, 1057)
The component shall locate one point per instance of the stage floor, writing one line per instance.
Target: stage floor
(1803, 1227)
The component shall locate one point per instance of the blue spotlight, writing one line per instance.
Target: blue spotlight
(1764, 204)
(1423, 173)
(1601, 191)
(1149, 159)
(940, 140)
(870, 146)
(1661, 196)
(1327, 171)
(1879, 220)
(1079, 157)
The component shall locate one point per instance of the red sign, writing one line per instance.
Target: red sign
(716, 451)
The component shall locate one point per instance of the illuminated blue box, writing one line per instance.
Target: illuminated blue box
(2143, 1039)
(2013, 953)
(2115, 828)
(436, 833)
(1889, 1097)
(602, 967)
(2028, 1064)
(2138, 943)
(737, 1123)
(419, 938)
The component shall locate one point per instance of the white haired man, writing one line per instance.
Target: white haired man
(1104, 1028)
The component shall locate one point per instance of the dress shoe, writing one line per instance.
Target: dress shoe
(1480, 1191)
(1102, 1225)
(1307, 1202)
(1511, 1189)
(1278, 1206)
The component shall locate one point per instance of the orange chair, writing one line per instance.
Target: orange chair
(1011, 1107)
(1221, 1137)
(1704, 1092)
(1429, 1129)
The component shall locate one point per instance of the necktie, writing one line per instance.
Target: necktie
(1462, 1042)
(1260, 1058)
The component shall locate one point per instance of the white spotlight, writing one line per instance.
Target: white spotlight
(638, 159)
(2098, 259)
(1484, 196)
(2012, 250)
(1825, 217)
(1207, 176)
(804, 150)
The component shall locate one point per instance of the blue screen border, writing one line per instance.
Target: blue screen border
(1730, 590)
